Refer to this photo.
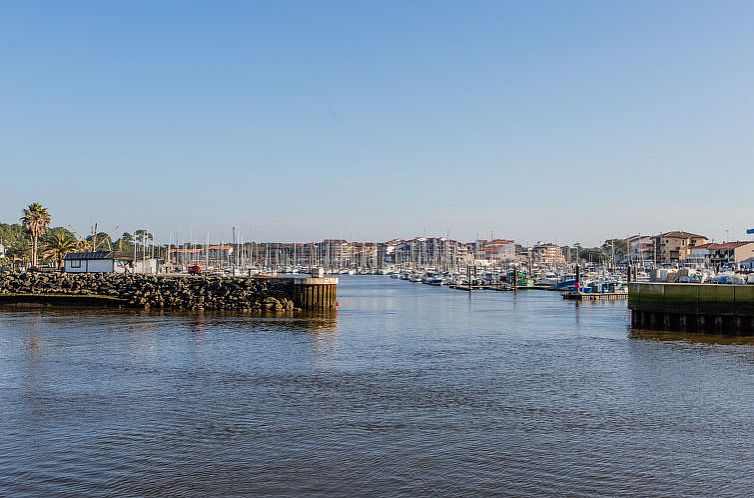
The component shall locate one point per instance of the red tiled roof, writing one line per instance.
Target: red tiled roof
(726, 245)
(679, 234)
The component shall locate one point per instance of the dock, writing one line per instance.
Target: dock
(466, 287)
(595, 296)
(708, 308)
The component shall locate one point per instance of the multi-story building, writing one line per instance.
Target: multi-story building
(676, 246)
(390, 251)
(547, 254)
(365, 255)
(496, 250)
(730, 253)
(640, 248)
(426, 251)
(698, 255)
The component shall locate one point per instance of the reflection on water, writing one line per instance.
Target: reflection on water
(311, 320)
(407, 390)
(691, 337)
(308, 321)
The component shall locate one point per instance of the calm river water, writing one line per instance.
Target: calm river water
(412, 390)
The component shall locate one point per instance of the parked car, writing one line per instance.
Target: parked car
(196, 269)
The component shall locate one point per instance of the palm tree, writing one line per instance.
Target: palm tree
(35, 220)
(58, 244)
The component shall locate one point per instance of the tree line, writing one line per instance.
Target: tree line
(34, 241)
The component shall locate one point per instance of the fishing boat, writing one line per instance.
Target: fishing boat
(603, 288)
(521, 279)
(548, 279)
(565, 282)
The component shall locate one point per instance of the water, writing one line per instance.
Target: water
(413, 390)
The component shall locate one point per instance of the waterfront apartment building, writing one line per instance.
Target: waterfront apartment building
(731, 254)
(640, 248)
(698, 256)
(496, 250)
(547, 254)
(440, 252)
(676, 246)
(334, 253)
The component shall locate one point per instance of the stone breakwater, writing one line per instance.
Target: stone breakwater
(200, 292)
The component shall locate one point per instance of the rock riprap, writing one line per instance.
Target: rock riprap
(180, 292)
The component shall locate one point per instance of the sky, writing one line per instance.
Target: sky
(369, 120)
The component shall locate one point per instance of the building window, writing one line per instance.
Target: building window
(76, 263)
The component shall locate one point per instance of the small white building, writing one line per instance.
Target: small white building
(97, 262)
(150, 266)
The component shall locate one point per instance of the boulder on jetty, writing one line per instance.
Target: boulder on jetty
(178, 292)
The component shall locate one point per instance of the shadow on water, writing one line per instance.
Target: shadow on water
(315, 321)
(689, 337)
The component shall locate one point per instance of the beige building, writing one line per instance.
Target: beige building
(676, 246)
(547, 254)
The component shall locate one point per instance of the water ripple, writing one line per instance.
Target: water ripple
(410, 391)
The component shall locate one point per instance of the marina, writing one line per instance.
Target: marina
(447, 249)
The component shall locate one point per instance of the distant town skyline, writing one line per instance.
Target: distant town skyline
(299, 121)
(250, 235)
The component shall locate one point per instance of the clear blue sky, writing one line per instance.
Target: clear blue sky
(547, 120)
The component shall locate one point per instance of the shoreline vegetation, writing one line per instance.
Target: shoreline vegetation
(33, 241)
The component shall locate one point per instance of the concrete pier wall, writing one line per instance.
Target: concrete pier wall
(721, 309)
(318, 294)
